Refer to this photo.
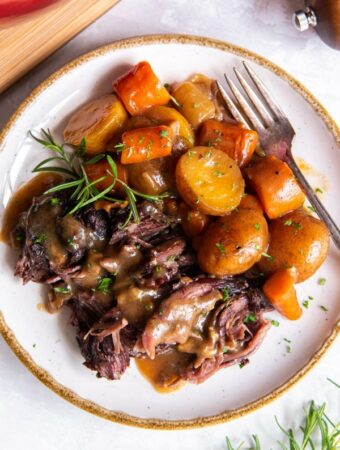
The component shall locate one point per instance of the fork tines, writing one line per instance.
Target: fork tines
(263, 107)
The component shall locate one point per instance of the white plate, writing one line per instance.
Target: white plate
(46, 343)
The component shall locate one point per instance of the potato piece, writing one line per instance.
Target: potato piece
(275, 186)
(165, 115)
(280, 291)
(296, 240)
(97, 122)
(194, 105)
(193, 222)
(250, 202)
(233, 243)
(152, 177)
(236, 141)
(209, 181)
(140, 88)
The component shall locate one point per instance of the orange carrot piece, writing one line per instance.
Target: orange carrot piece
(250, 202)
(237, 142)
(102, 169)
(143, 144)
(140, 88)
(280, 291)
(275, 185)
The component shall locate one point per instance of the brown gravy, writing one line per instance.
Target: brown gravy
(163, 372)
(21, 200)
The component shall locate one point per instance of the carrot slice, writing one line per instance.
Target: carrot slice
(140, 88)
(275, 185)
(237, 142)
(143, 144)
(103, 169)
(280, 291)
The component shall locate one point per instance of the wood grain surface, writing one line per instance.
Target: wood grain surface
(26, 40)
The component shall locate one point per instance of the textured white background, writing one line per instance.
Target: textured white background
(32, 417)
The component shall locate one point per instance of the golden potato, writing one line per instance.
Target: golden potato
(296, 240)
(164, 115)
(233, 243)
(195, 106)
(209, 180)
(152, 177)
(97, 122)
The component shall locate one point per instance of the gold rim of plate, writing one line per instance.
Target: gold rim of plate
(43, 375)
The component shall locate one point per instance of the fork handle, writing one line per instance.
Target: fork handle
(315, 202)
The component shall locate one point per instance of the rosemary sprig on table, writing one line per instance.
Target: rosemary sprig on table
(85, 192)
(316, 422)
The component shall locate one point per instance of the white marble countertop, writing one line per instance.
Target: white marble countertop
(31, 416)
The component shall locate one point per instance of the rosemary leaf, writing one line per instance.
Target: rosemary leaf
(61, 187)
(132, 200)
(54, 169)
(92, 199)
(94, 160)
(113, 166)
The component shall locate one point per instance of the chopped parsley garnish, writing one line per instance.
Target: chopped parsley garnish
(191, 154)
(163, 133)
(305, 304)
(291, 223)
(250, 318)
(275, 323)
(220, 248)
(243, 363)
(318, 190)
(225, 349)
(54, 201)
(323, 308)
(62, 290)
(218, 173)
(104, 285)
(321, 281)
(287, 340)
(40, 238)
(119, 146)
(225, 294)
(171, 258)
(311, 208)
(257, 226)
(270, 257)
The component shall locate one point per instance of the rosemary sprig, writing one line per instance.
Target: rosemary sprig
(85, 191)
(315, 422)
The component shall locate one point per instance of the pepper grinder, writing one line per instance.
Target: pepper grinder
(324, 16)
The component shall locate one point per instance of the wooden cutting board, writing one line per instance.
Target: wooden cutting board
(26, 40)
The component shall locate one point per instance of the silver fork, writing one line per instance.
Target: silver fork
(275, 132)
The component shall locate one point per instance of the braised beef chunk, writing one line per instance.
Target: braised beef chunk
(107, 344)
(152, 222)
(42, 252)
(238, 327)
(97, 221)
(135, 289)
